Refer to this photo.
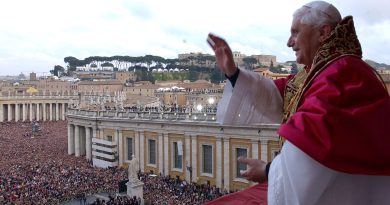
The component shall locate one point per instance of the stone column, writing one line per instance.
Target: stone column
(194, 149)
(1, 112)
(51, 111)
(166, 155)
(83, 141)
(142, 151)
(77, 140)
(101, 134)
(255, 149)
(218, 181)
(264, 150)
(63, 111)
(57, 112)
(116, 139)
(31, 112)
(226, 161)
(94, 132)
(44, 111)
(120, 147)
(137, 145)
(38, 114)
(17, 112)
(160, 152)
(70, 139)
(9, 112)
(187, 152)
(66, 108)
(24, 112)
(88, 143)
(94, 135)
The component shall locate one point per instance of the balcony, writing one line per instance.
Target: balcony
(144, 115)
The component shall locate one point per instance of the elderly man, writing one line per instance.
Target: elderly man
(335, 116)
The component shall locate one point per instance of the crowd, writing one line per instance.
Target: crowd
(168, 191)
(118, 200)
(36, 169)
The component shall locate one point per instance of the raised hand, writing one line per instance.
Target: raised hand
(223, 54)
(255, 171)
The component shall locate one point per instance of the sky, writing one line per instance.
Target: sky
(37, 35)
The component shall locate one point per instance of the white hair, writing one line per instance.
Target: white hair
(318, 13)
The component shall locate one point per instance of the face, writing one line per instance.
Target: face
(305, 41)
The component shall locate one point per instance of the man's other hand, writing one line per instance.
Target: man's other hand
(255, 171)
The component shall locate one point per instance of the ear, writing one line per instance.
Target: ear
(325, 31)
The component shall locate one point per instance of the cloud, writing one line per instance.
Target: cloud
(36, 35)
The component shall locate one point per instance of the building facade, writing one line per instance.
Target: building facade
(192, 147)
(104, 87)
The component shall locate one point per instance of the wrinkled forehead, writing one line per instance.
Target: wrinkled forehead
(298, 25)
(295, 23)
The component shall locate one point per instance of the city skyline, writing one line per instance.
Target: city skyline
(36, 36)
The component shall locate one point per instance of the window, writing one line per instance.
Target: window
(152, 151)
(240, 152)
(178, 155)
(109, 138)
(207, 155)
(129, 148)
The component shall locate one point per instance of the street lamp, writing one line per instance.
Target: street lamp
(211, 101)
(211, 104)
(199, 107)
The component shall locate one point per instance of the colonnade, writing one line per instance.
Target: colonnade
(80, 140)
(109, 144)
(35, 110)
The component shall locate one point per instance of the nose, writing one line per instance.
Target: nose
(290, 42)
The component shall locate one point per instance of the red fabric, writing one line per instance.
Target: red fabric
(343, 120)
(255, 195)
(281, 84)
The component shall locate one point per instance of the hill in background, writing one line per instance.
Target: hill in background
(377, 65)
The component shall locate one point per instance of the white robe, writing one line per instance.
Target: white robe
(243, 106)
(294, 177)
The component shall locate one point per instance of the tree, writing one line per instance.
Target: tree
(58, 70)
(107, 64)
(294, 68)
(73, 63)
(216, 75)
(21, 76)
(143, 75)
(249, 62)
(271, 66)
(192, 75)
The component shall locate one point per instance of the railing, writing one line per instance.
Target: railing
(144, 115)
